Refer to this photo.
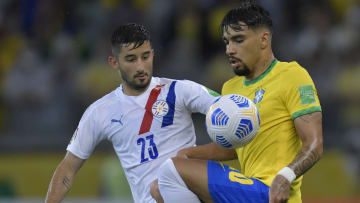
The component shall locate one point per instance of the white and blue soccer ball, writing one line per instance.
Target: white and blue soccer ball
(232, 121)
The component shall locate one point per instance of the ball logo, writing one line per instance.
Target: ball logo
(160, 108)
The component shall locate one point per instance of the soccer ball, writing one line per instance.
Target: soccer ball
(232, 121)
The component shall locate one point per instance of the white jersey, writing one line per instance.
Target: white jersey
(145, 130)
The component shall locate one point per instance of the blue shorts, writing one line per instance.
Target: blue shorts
(230, 185)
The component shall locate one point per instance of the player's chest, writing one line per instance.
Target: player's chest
(136, 117)
(266, 96)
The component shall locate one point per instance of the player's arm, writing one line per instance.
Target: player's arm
(309, 128)
(211, 151)
(195, 97)
(63, 178)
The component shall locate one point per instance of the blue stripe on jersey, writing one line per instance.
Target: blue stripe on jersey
(168, 119)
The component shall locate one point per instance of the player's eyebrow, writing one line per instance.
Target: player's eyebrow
(237, 36)
(234, 37)
(146, 52)
(129, 55)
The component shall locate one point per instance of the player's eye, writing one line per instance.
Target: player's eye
(146, 56)
(239, 40)
(131, 59)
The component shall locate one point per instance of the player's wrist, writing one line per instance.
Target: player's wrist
(287, 173)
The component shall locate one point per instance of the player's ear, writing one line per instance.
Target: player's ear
(113, 62)
(265, 39)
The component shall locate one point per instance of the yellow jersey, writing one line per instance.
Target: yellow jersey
(282, 93)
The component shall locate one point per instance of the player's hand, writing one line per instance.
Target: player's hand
(183, 153)
(279, 190)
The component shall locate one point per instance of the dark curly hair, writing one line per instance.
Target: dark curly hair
(128, 34)
(249, 12)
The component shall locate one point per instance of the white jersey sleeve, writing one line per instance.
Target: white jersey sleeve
(197, 98)
(87, 134)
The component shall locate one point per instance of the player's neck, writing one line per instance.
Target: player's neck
(261, 67)
(129, 91)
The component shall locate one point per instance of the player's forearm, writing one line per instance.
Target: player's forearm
(59, 186)
(210, 151)
(309, 128)
(306, 158)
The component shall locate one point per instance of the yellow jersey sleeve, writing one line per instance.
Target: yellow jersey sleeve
(300, 96)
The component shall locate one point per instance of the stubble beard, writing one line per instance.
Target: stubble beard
(132, 82)
(244, 71)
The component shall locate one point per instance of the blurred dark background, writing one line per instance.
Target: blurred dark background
(53, 64)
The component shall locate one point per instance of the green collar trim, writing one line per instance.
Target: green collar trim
(250, 82)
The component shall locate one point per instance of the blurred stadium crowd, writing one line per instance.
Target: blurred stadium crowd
(53, 60)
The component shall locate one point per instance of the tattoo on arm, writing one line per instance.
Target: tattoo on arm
(67, 183)
(304, 160)
(308, 156)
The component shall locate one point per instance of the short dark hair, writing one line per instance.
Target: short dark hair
(249, 12)
(127, 34)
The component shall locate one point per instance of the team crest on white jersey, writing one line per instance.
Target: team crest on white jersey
(160, 108)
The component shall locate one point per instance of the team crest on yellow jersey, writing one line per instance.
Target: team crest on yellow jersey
(259, 95)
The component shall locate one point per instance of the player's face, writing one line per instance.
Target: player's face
(242, 48)
(135, 66)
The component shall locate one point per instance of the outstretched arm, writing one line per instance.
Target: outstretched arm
(211, 151)
(63, 178)
(309, 128)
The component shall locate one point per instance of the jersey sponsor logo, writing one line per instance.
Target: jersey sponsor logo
(307, 94)
(118, 121)
(160, 108)
(259, 95)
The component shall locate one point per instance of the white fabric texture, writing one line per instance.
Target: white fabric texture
(172, 187)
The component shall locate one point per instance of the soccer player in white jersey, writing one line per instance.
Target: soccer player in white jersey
(147, 119)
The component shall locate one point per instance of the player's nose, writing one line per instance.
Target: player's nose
(140, 66)
(230, 49)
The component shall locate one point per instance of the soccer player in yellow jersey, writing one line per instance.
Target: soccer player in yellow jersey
(288, 143)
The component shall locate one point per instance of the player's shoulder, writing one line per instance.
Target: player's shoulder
(290, 68)
(233, 82)
(103, 102)
(292, 73)
(177, 82)
(162, 81)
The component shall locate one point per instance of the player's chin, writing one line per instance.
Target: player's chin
(143, 83)
(239, 71)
